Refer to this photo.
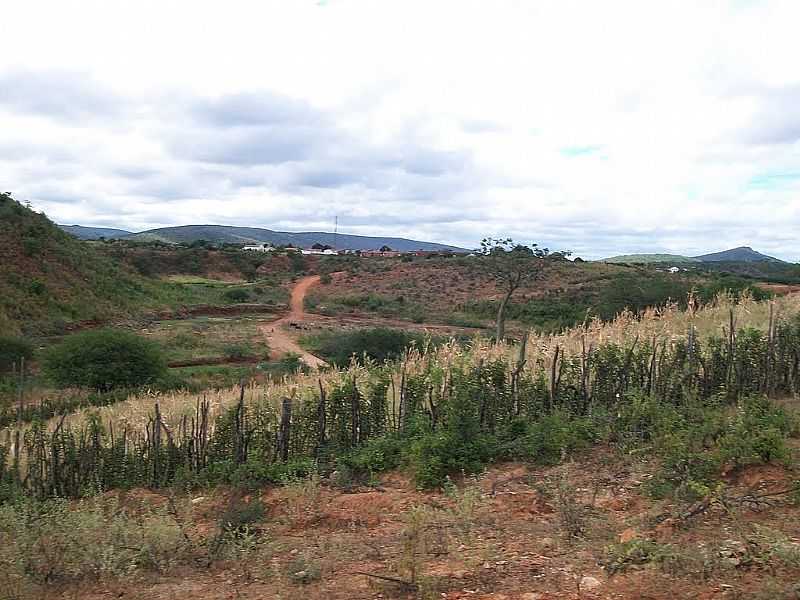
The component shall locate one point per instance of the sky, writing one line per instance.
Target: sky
(597, 127)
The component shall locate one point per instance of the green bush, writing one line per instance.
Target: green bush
(377, 455)
(378, 344)
(12, 351)
(756, 434)
(236, 296)
(432, 457)
(547, 440)
(253, 474)
(104, 360)
(238, 351)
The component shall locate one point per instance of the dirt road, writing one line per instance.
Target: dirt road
(280, 340)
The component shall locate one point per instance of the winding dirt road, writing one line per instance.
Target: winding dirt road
(280, 341)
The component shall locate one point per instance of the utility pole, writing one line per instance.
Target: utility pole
(335, 232)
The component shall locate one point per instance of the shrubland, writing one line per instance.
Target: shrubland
(682, 383)
(697, 393)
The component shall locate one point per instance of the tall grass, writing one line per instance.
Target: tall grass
(452, 404)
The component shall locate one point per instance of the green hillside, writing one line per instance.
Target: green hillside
(49, 279)
(649, 258)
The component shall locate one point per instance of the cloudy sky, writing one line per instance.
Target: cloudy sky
(600, 127)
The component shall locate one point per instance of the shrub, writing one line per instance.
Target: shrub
(303, 571)
(236, 295)
(546, 441)
(237, 351)
(377, 343)
(54, 541)
(104, 360)
(13, 350)
(433, 457)
(240, 515)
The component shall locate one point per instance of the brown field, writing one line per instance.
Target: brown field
(514, 533)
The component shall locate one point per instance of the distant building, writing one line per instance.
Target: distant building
(260, 248)
(674, 269)
(319, 252)
(381, 253)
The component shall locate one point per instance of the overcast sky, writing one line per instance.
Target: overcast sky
(600, 127)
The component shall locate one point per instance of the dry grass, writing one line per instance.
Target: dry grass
(669, 324)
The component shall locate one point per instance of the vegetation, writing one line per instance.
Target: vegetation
(376, 344)
(104, 360)
(511, 265)
(453, 410)
(635, 292)
(14, 351)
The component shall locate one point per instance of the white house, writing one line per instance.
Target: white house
(261, 248)
(314, 251)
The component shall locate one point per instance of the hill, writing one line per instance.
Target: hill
(49, 279)
(94, 233)
(256, 235)
(649, 258)
(740, 254)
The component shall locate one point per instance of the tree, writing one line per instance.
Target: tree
(104, 360)
(511, 265)
(13, 351)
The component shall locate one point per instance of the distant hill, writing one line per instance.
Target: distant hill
(649, 258)
(256, 235)
(740, 254)
(94, 233)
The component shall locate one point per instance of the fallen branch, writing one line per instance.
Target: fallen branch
(408, 584)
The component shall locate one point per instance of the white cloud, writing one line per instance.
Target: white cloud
(600, 127)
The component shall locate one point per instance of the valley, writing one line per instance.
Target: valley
(346, 426)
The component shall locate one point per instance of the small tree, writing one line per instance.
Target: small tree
(13, 351)
(511, 265)
(104, 360)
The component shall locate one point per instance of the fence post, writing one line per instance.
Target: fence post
(321, 419)
(554, 378)
(284, 430)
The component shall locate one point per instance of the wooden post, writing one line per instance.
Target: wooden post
(515, 376)
(554, 378)
(355, 411)
(284, 430)
(321, 419)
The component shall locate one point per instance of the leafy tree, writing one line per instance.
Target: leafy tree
(104, 360)
(12, 351)
(511, 265)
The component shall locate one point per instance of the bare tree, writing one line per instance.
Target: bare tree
(511, 265)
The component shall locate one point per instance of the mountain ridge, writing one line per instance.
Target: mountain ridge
(258, 235)
(738, 254)
(94, 233)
